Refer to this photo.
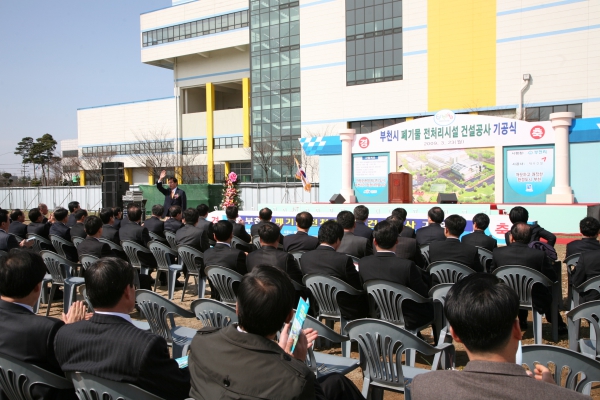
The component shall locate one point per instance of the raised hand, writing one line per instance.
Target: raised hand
(163, 173)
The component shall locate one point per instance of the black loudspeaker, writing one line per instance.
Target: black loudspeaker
(112, 165)
(447, 198)
(113, 172)
(594, 211)
(113, 192)
(337, 199)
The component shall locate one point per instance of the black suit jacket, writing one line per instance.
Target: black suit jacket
(60, 229)
(300, 241)
(453, 250)
(153, 224)
(239, 231)
(78, 230)
(408, 232)
(480, 239)
(362, 230)
(93, 247)
(71, 221)
(173, 225)
(325, 260)
(181, 200)
(117, 223)
(269, 255)
(191, 235)
(537, 232)
(18, 228)
(356, 246)
(577, 246)
(254, 231)
(7, 242)
(588, 267)
(111, 233)
(386, 266)
(121, 352)
(138, 234)
(206, 226)
(39, 229)
(430, 233)
(227, 257)
(408, 249)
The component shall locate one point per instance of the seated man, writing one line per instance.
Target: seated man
(301, 240)
(109, 232)
(433, 231)
(131, 230)
(109, 346)
(8, 242)
(118, 214)
(589, 228)
(353, 245)
(264, 215)
(25, 335)
(59, 228)
(244, 359)
(385, 265)
(520, 214)
(407, 231)
(36, 226)
(478, 238)
(407, 246)
(173, 223)
(482, 312)
(326, 260)
(190, 234)
(203, 223)
(268, 254)
(361, 215)
(44, 210)
(17, 227)
(78, 229)
(73, 208)
(452, 249)
(239, 229)
(91, 246)
(154, 223)
(588, 267)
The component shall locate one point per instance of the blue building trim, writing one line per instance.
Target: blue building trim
(336, 64)
(305, 46)
(552, 33)
(538, 7)
(414, 53)
(316, 3)
(127, 102)
(235, 71)
(585, 130)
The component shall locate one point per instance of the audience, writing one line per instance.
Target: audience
(154, 223)
(59, 228)
(407, 247)
(173, 223)
(91, 246)
(452, 249)
(73, 208)
(17, 226)
(191, 235)
(407, 231)
(433, 231)
(588, 266)
(239, 229)
(8, 242)
(44, 210)
(118, 214)
(520, 214)
(203, 223)
(36, 226)
(482, 313)
(361, 215)
(301, 240)
(78, 229)
(478, 238)
(109, 232)
(589, 228)
(264, 215)
(132, 231)
(353, 245)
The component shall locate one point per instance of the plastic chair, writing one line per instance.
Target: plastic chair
(449, 271)
(425, 252)
(589, 311)
(61, 270)
(156, 309)
(577, 364)
(438, 293)
(165, 258)
(213, 313)
(256, 241)
(170, 236)
(521, 279)
(90, 387)
(87, 260)
(77, 240)
(17, 378)
(38, 241)
(486, 258)
(157, 237)
(355, 261)
(382, 344)
(239, 244)
(59, 244)
(571, 262)
(297, 256)
(113, 246)
(19, 238)
(193, 259)
(222, 280)
(590, 284)
(132, 249)
(325, 289)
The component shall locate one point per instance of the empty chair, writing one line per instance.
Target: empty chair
(222, 280)
(381, 346)
(213, 313)
(18, 378)
(582, 371)
(486, 258)
(170, 236)
(193, 259)
(157, 309)
(40, 243)
(571, 262)
(61, 270)
(157, 237)
(165, 259)
(61, 244)
(448, 271)
(578, 291)
(425, 252)
(590, 312)
(76, 240)
(522, 279)
(239, 244)
(90, 387)
(256, 241)
(132, 249)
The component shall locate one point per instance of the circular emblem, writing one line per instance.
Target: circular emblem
(444, 117)
(537, 132)
(363, 142)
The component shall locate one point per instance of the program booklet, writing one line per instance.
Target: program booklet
(299, 318)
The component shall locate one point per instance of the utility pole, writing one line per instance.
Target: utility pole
(24, 172)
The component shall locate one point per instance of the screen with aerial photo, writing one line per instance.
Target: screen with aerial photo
(467, 172)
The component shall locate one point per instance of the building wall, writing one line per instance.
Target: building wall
(221, 66)
(584, 185)
(330, 177)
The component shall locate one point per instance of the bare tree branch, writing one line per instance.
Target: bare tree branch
(154, 151)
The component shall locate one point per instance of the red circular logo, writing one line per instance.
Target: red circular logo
(363, 142)
(537, 132)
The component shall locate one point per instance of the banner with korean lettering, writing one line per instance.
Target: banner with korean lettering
(529, 173)
(370, 177)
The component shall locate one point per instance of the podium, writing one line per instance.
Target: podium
(400, 188)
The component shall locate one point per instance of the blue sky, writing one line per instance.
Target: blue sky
(58, 56)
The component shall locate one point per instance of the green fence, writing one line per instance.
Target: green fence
(195, 193)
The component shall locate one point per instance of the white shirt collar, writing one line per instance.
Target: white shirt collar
(126, 317)
(385, 251)
(225, 243)
(324, 244)
(241, 330)
(27, 306)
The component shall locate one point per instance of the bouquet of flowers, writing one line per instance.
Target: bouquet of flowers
(231, 194)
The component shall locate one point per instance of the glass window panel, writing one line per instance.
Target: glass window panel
(284, 16)
(205, 26)
(275, 74)
(369, 3)
(397, 22)
(369, 27)
(350, 47)
(359, 16)
(359, 3)
(160, 34)
(379, 43)
(285, 115)
(295, 83)
(294, 28)
(349, 4)
(360, 29)
(274, 31)
(388, 10)
(194, 28)
(388, 24)
(295, 71)
(285, 72)
(397, 57)
(360, 46)
(350, 76)
(379, 59)
(545, 113)
(244, 17)
(397, 40)
(350, 63)
(369, 14)
(350, 17)
(397, 69)
(295, 55)
(560, 109)
(284, 29)
(378, 26)
(294, 13)
(397, 9)
(295, 99)
(369, 45)
(284, 56)
(369, 60)
(295, 113)
(369, 73)
(231, 20)
(350, 30)
(276, 114)
(575, 108)
(286, 100)
(388, 58)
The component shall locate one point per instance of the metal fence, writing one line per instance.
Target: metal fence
(255, 193)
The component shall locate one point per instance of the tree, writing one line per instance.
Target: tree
(43, 151)
(91, 163)
(262, 155)
(25, 150)
(154, 151)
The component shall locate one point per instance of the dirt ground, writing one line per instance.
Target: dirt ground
(356, 376)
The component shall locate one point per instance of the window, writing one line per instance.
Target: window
(235, 142)
(243, 170)
(195, 146)
(70, 153)
(543, 113)
(199, 173)
(126, 149)
(373, 125)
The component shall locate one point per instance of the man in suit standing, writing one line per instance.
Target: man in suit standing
(452, 249)
(268, 254)
(361, 215)
(36, 226)
(482, 313)
(478, 238)
(174, 223)
(589, 228)
(91, 246)
(191, 235)
(173, 195)
(301, 240)
(73, 208)
(8, 242)
(78, 230)
(109, 232)
(154, 224)
(17, 227)
(239, 229)
(120, 351)
(433, 231)
(407, 247)
(407, 231)
(385, 265)
(203, 223)
(326, 260)
(353, 245)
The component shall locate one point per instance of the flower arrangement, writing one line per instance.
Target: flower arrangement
(231, 194)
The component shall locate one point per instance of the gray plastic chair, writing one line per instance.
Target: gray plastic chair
(61, 270)
(590, 312)
(193, 259)
(486, 258)
(157, 237)
(90, 387)
(170, 236)
(425, 252)
(571, 262)
(381, 346)
(590, 284)
(213, 313)
(449, 271)
(156, 309)
(77, 240)
(38, 241)
(112, 245)
(256, 241)
(60, 244)
(355, 261)
(165, 259)
(17, 378)
(297, 256)
(19, 238)
(521, 279)
(577, 364)
(239, 244)
(132, 249)
(325, 289)
(438, 293)
(222, 280)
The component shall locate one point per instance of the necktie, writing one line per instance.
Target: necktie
(172, 194)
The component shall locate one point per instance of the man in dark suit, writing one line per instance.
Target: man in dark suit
(36, 226)
(174, 223)
(44, 210)
(25, 335)
(59, 228)
(407, 247)
(190, 234)
(17, 227)
(91, 246)
(353, 245)
(361, 215)
(520, 214)
(478, 238)
(109, 232)
(301, 240)
(433, 231)
(385, 265)
(121, 351)
(589, 228)
(73, 208)
(588, 267)
(452, 249)
(154, 224)
(173, 195)
(118, 214)
(8, 242)
(131, 230)
(407, 231)
(78, 230)
(239, 229)
(493, 372)
(326, 260)
(264, 215)
(203, 223)
(268, 254)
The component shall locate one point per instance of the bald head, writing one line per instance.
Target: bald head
(521, 233)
